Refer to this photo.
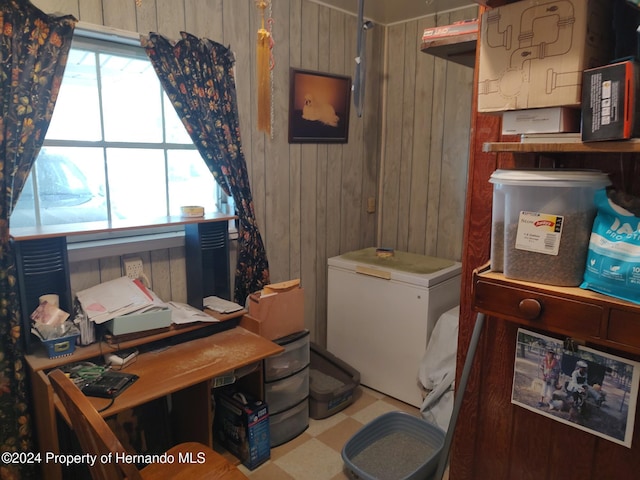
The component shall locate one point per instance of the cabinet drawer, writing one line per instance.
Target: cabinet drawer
(624, 327)
(575, 318)
(295, 357)
(282, 394)
(289, 424)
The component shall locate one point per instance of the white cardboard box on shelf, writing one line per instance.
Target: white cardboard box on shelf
(533, 53)
(541, 120)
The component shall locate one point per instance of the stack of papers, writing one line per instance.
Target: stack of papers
(220, 305)
(115, 298)
(182, 313)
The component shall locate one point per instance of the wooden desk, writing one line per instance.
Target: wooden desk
(184, 371)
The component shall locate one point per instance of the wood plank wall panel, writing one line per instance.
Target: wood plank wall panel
(390, 174)
(295, 151)
(308, 59)
(147, 19)
(372, 136)
(277, 200)
(426, 143)
(408, 133)
(254, 141)
(455, 151)
(311, 200)
(421, 152)
(336, 41)
(121, 14)
(203, 18)
(352, 159)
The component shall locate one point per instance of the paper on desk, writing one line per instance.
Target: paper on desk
(220, 305)
(156, 303)
(182, 313)
(112, 299)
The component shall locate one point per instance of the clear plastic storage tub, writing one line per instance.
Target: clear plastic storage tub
(294, 358)
(289, 424)
(285, 392)
(546, 223)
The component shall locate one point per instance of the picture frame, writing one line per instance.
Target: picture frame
(579, 386)
(319, 106)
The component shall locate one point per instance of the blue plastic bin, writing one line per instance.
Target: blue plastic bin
(415, 457)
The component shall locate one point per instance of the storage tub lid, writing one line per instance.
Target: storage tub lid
(551, 178)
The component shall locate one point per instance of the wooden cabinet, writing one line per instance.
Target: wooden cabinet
(494, 438)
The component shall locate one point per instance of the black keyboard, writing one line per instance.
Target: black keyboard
(109, 385)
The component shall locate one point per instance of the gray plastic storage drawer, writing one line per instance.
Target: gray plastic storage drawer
(294, 358)
(286, 392)
(287, 425)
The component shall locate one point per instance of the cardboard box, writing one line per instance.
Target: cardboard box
(533, 53)
(447, 31)
(610, 106)
(276, 311)
(241, 425)
(139, 322)
(541, 120)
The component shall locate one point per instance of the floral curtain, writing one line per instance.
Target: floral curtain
(197, 75)
(33, 55)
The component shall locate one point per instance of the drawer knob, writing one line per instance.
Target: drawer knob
(530, 308)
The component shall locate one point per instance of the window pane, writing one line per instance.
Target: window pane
(77, 112)
(137, 182)
(69, 185)
(190, 181)
(131, 100)
(176, 133)
(24, 214)
(115, 148)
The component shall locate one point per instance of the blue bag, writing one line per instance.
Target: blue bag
(613, 259)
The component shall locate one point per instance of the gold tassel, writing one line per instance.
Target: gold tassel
(263, 61)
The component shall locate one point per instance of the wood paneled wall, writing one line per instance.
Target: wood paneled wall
(426, 150)
(408, 152)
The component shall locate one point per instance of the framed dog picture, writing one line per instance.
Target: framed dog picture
(318, 107)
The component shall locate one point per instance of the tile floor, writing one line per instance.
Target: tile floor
(316, 453)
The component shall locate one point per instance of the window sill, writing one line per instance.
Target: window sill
(88, 241)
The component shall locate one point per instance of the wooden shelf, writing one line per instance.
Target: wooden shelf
(39, 359)
(456, 48)
(624, 146)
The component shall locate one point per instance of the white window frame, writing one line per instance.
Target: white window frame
(118, 242)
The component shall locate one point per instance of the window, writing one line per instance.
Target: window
(115, 148)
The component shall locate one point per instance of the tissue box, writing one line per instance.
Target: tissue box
(533, 53)
(276, 311)
(60, 347)
(241, 424)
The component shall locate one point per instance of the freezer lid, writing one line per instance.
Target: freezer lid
(412, 268)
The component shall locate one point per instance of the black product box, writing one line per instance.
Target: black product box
(610, 106)
(241, 425)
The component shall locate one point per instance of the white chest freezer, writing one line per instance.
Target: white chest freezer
(381, 311)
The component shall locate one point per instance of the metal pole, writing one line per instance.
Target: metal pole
(471, 352)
